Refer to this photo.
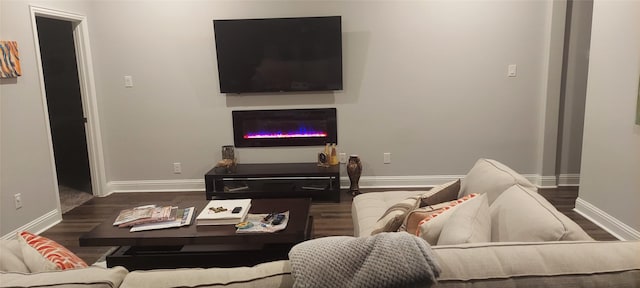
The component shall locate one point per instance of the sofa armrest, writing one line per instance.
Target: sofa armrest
(540, 264)
(367, 208)
(270, 274)
(85, 277)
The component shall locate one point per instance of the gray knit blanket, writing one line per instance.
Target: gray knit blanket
(396, 259)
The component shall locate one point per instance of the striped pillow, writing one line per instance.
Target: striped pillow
(392, 219)
(42, 254)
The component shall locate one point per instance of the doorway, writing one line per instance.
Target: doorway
(65, 107)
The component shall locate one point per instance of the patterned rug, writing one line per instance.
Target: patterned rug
(71, 198)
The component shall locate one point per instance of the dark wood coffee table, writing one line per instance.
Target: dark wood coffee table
(204, 246)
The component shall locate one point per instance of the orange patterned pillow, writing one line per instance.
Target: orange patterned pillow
(43, 254)
(430, 227)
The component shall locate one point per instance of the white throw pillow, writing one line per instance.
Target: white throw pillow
(520, 214)
(470, 223)
(491, 177)
(429, 228)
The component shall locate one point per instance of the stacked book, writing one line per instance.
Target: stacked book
(150, 217)
(224, 212)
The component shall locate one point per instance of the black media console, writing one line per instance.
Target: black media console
(275, 180)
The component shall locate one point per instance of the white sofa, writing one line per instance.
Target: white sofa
(532, 243)
(571, 260)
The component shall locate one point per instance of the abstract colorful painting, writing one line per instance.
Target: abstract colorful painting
(10, 61)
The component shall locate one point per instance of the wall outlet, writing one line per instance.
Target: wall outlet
(343, 157)
(177, 168)
(128, 81)
(387, 158)
(18, 200)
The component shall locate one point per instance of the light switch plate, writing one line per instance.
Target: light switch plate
(512, 70)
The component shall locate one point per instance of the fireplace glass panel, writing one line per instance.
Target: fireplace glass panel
(291, 127)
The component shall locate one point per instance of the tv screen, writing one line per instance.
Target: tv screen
(279, 54)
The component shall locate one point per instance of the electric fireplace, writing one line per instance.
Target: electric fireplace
(288, 127)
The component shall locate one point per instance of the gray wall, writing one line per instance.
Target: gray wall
(424, 80)
(26, 166)
(577, 41)
(610, 171)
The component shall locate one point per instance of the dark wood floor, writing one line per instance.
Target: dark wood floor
(329, 218)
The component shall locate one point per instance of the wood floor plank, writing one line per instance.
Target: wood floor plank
(330, 219)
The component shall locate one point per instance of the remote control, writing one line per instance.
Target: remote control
(268, 218)
(278, 219)
(236, 210)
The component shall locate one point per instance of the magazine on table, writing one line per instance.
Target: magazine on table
(259, 225)
(184, 217)
(133, 214)
(160, 214)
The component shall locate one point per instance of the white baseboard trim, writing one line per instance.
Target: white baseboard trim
(542, 181)
(569, 180)
(365, 182)
(37, 226)
(605, 221)
(553, 181)
(156, 186)
(198, 184)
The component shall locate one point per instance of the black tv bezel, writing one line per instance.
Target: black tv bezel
(271, 91)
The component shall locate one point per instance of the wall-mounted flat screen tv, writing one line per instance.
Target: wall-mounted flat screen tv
(279, 54)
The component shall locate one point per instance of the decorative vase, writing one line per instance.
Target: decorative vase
(354, 169)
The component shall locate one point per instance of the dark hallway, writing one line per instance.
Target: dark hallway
(66, 117)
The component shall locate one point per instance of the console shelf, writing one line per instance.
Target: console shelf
(275, 180)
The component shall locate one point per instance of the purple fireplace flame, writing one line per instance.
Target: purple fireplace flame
(284, 135)
(302, 132)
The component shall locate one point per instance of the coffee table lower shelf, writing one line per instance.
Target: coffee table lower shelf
(203, 256)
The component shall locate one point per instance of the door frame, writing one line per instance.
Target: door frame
(87, 91)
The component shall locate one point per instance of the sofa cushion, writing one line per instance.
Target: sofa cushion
(366, 208)
(86, 277)
(540, 264)
(393, 217)
(468, 224)
(270, 274)
(43, 254)
(11, 257)
(441, 193)
(491, 177)
(430, 227)
(520, 214)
